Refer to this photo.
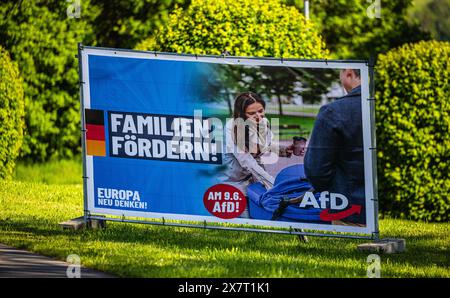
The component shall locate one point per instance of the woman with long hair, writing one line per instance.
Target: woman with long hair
(248, 137)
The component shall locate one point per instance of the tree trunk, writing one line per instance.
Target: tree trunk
(280, 106)
(230, 107)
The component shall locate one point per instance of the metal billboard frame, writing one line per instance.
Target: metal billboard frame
(87, 216)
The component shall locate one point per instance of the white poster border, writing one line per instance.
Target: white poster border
(371, 210)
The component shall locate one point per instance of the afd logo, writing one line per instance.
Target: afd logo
(330, 201)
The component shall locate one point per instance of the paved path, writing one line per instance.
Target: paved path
(20, 263)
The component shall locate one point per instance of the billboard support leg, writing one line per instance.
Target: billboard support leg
(86, 213)
(371, 64)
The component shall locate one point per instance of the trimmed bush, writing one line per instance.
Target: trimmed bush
(11, 114)
(242, 27)
(413, 131)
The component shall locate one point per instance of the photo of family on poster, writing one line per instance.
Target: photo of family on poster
(315, 176)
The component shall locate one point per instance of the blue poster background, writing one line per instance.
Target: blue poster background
(156, 87)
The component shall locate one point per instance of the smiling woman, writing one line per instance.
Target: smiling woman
(248, 138)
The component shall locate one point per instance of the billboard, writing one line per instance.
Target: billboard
(266, 142)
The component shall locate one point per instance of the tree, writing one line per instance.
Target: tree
(123, 23)
(43, 40)
(433, 16)
(351, 34)
(243, 27)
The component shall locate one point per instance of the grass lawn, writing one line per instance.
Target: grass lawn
(53, 172)
(305, 123)
(32, 207)
(295, 108)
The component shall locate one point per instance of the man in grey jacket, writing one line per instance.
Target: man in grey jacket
(334, 159)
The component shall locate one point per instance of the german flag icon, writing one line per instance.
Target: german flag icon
(95, 132)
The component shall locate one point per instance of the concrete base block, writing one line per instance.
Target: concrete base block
(387, 245)
(97, 224)
(78, 223)
(73, 224)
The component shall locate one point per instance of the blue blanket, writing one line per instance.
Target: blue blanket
(290, 183)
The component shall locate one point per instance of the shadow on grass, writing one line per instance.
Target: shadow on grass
(183, 238)
(238, 267)
(419, 251)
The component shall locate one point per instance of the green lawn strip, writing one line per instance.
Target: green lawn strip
(31, 212)
(301, 109)
(53, 172)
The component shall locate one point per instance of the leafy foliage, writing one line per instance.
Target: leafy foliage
(413, 125)
(243, 27)
(11, 114)
(351, 34)
(43, 40)
(433, 16)
(123, 23)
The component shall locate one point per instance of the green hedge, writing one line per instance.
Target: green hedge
(11, 114)
(413, 131)
(242, 27)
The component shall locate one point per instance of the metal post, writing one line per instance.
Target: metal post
(306, 7)
(301, 238)
(224, 228)
(83, 134)
(88, 216)
(376, 234)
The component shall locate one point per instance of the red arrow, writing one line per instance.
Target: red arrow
(325, 215)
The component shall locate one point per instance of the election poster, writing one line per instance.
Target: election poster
(260, 142)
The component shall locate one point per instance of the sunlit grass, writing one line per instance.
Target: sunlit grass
(52, 172)
(30, 213)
